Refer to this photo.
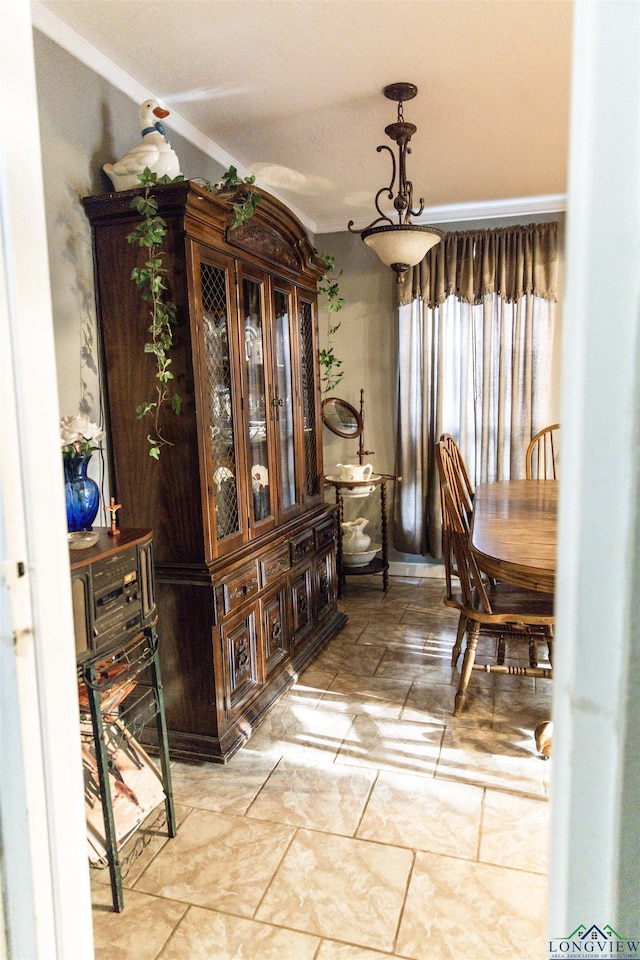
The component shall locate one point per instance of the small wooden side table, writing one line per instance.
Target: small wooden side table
(378, 564)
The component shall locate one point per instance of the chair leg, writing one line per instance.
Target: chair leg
(533, 652)
(457, 647)
(473, 632)
(501, 650)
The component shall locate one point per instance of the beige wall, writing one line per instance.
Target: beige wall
(84, 122)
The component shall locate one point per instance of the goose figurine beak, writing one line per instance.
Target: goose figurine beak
(160, 113)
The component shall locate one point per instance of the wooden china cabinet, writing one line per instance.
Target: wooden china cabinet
(245, 547)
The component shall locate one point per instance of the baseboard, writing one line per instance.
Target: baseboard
(398, 568)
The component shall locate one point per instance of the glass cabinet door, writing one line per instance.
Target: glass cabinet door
(309, 398)
(283, 400)
(259, 426)
(218, 353)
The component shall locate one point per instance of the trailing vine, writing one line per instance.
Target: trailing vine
(329, 287)
(149, 280)
(242, 194)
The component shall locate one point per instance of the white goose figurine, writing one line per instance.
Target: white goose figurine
(154, 152)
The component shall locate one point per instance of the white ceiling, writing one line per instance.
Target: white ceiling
(291, 90)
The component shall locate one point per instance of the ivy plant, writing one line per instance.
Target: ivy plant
(149, 279)
(329, 288)
(242, 193)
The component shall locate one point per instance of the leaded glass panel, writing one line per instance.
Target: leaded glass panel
(218, 372)
(285, 398)
(308, 399)
(254, 357)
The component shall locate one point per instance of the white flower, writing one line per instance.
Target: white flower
(79, 435)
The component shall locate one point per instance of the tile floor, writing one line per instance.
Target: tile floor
(362, 820)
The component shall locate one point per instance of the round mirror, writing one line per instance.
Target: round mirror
(341, 418)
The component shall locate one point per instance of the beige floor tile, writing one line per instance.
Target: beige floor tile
(340, 889)
(329, 797)
(515, 832)
(299, 732)
(424, 814)
(435, 702)
(441, 647)
(388, 608)
(207, 935)
(218, 861)
(308, 692)
(498, 757)
(346, 751)
(227, 788)
(522, 708)
(330, 950)
(139, 932)
(456, 908)
(373, 696)
(392, 634)
(392, 745)
(358, 659)
(142, 848)
(314, 679)
(434, 616)
(353, 628)
(419, 666)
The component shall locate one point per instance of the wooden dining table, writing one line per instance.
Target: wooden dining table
(514, 532)
(513, 536)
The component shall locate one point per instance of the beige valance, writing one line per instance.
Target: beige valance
(509, 261)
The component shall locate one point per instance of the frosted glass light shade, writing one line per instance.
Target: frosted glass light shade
(405, 244)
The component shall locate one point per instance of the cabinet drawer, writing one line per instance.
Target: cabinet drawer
(240, 587)
(274, 564)
(301, 546)
(325, 532)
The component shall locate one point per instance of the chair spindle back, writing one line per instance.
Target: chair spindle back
(459, 560)
(541, 458)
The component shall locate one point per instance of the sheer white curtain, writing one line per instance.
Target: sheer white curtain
(479, 371)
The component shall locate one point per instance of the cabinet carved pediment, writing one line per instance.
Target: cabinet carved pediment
(266, 242)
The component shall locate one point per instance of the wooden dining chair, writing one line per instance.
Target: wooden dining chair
(463, 481)
(497, 609)
(465, 492)
(541, 458)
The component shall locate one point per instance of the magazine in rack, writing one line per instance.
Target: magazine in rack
(135, 785)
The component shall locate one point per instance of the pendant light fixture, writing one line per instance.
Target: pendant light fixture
(403, 244)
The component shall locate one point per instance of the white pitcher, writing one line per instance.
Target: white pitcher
(355, 471)
(354, 539)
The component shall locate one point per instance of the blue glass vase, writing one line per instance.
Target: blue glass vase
(81, 493)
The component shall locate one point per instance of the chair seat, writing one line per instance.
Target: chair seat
(509, 604)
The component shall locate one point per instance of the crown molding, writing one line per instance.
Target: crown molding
(484, 210)
(51, 26)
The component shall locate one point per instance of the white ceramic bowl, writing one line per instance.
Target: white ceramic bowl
(361, 559)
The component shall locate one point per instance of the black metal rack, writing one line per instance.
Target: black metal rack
(132, 672)
(120, 693)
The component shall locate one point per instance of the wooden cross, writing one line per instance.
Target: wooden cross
(112, 508)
